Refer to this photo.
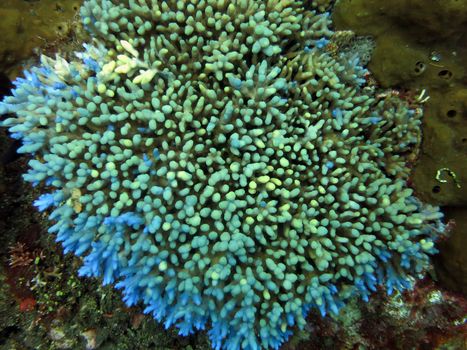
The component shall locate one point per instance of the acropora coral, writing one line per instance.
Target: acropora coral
(222, 167)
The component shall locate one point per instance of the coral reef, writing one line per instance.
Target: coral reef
(43, 303)
(91, 316)
(422, 47)
(221, 165)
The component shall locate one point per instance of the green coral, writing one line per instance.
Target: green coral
(219, 163)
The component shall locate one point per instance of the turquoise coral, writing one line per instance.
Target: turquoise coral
(219, 165)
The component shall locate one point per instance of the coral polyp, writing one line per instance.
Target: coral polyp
(222, 167)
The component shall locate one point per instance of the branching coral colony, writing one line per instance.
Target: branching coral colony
(218, 164)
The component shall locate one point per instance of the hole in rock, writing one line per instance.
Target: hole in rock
(419, 67)
(445, 74)
(451, 113)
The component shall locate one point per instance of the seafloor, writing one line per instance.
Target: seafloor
(421, 47)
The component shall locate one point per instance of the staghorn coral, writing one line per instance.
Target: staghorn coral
(220, 165)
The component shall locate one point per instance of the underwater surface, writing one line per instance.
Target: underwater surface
(244, 174)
